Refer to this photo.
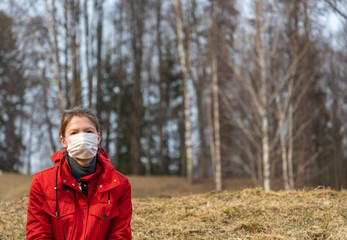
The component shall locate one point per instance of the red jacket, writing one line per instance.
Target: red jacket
(58, 209)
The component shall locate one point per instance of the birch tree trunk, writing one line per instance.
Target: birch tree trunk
(185, 71)
(215, 92)
(199, 88)
(51, 24)
(199, 93)
(211, 134)
(283, 145)
(290, 146)
(261, 61)
(218, 169)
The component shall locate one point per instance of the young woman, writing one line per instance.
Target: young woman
(82, 196)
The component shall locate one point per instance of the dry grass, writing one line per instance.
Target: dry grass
(244, 214)
(13, 216)
(13, 186)
(247, 214)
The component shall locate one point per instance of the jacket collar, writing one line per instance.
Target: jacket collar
(105, 175)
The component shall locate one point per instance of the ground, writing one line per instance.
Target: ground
(169, 208)
(13, 186)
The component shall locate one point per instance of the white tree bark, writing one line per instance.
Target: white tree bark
(290, 147)
(264, 87)
(218, 164)
(211, 135)
(283, 145)
(261, 61)
(185, 70)
(51, 25)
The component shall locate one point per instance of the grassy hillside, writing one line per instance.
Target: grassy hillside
(13, 186)
(246, 214)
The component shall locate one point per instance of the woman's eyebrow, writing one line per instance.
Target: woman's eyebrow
(89, 128)
(85, 129)
(73, 130)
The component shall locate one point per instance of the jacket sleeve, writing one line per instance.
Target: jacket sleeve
(120, 228)
(38, 221)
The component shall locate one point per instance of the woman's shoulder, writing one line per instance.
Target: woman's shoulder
(122, 178)
(44, 177)
(42, 182)
(123, 189)
(46, 172)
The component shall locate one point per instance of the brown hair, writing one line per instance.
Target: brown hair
(80, 112)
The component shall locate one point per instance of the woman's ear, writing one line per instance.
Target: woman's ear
(63, 142)
(99, 137)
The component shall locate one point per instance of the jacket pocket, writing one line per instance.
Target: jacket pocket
(100, 216)
(63, 224)
(104, 211)
(64, 208)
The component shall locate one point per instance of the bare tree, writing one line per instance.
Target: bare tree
(87, 52)
(215, 134)
(336, 91)
(161, 80)
(273, 97)
(98, 5)
(199, 80)
(13, 86)
(119, 29)
(137, 31)
(338, 6)
(53, 34)
(184, 55)
(262, 100)
(76, 90)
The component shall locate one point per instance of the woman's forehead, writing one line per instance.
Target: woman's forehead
(80, 122)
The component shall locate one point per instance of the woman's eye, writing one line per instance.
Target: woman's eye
(73, 133)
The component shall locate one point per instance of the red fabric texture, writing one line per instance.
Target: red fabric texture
(80, 216)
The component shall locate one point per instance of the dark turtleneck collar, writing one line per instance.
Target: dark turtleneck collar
(79, 171)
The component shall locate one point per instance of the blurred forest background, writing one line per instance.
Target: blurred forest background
(198, 88)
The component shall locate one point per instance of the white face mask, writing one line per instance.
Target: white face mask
(82, 145)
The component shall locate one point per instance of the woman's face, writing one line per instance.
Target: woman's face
(78, 125)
